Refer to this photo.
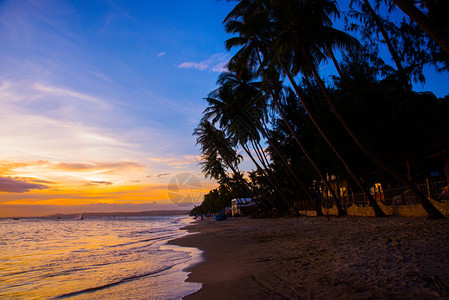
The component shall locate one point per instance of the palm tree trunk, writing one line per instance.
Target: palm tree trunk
(266, 175)
(260, 155)
(334, 60)
(431, 211)
(272, 181)
(340, 210)
(264, 155)
(423, 21)
(377, 210)
(243, 184)
(402, 75)
(264, 131)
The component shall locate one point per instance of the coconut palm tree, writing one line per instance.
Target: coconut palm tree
(219, 155)
(295, 27)
(289, 52)
(249, 20)
(374, 20)
(431, 26)
(231, 106)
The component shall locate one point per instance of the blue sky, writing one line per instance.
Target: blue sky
(99, 99)
(129, 65)
(103, 92)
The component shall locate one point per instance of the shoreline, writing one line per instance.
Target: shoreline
(311, 258)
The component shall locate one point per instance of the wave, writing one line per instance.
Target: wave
(143, 241)
(108, 285)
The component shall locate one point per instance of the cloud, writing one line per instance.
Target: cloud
(220, 68)
(18, 185)
(34, 180)
(47, 130)
(176, 163)
(161, 54)
(74, 166)
(98, 166)
(99, 183)
(55, 91)
(162, 175)
(202, 66)
(215, 63)
(71, 175)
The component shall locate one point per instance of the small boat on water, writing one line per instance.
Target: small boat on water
(80, 217)
(16, 218)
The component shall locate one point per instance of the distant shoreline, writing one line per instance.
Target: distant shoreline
(153, 213)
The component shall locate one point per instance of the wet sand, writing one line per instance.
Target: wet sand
(321, 258)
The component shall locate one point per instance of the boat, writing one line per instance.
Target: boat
(220, 217)
(80, 217)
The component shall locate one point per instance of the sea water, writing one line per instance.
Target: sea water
(94, 258)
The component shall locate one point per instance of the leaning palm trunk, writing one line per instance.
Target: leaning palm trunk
(243, 185)
(423, 21)
(377, 210)
(401, 72)
(261, 155)
(265, 134)
(431, 211)
(272, 181)
(265, 163)
(264, 156)
(340, 210)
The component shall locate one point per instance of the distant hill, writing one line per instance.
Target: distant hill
(126, 214)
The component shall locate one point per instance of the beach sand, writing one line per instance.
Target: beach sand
(320, 258)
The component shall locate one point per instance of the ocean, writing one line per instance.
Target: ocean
(94, 258)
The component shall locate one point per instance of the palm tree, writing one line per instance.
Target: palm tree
(219, 155)
(307, 60)
(375, 20)
(253, 38)
(294, 47)
(226, 109)
(293, 38)
(429, 25)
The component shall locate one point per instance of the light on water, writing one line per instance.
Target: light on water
(107, 258)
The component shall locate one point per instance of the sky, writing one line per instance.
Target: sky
(99, 99)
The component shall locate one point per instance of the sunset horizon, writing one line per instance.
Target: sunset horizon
(86, 126)
(240, 149)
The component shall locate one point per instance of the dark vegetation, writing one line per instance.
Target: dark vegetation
(306, 132)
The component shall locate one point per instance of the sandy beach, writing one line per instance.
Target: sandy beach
(320, 258)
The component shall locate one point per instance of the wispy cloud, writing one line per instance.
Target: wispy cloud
(43, 122)
(215, 63)
(220, 68)
(96, 183)
(177, 163)
(162, 175)
(77, 121)
(65, 174)
(61, 92)
(98, 166)
(202, 66)
(19, 185)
